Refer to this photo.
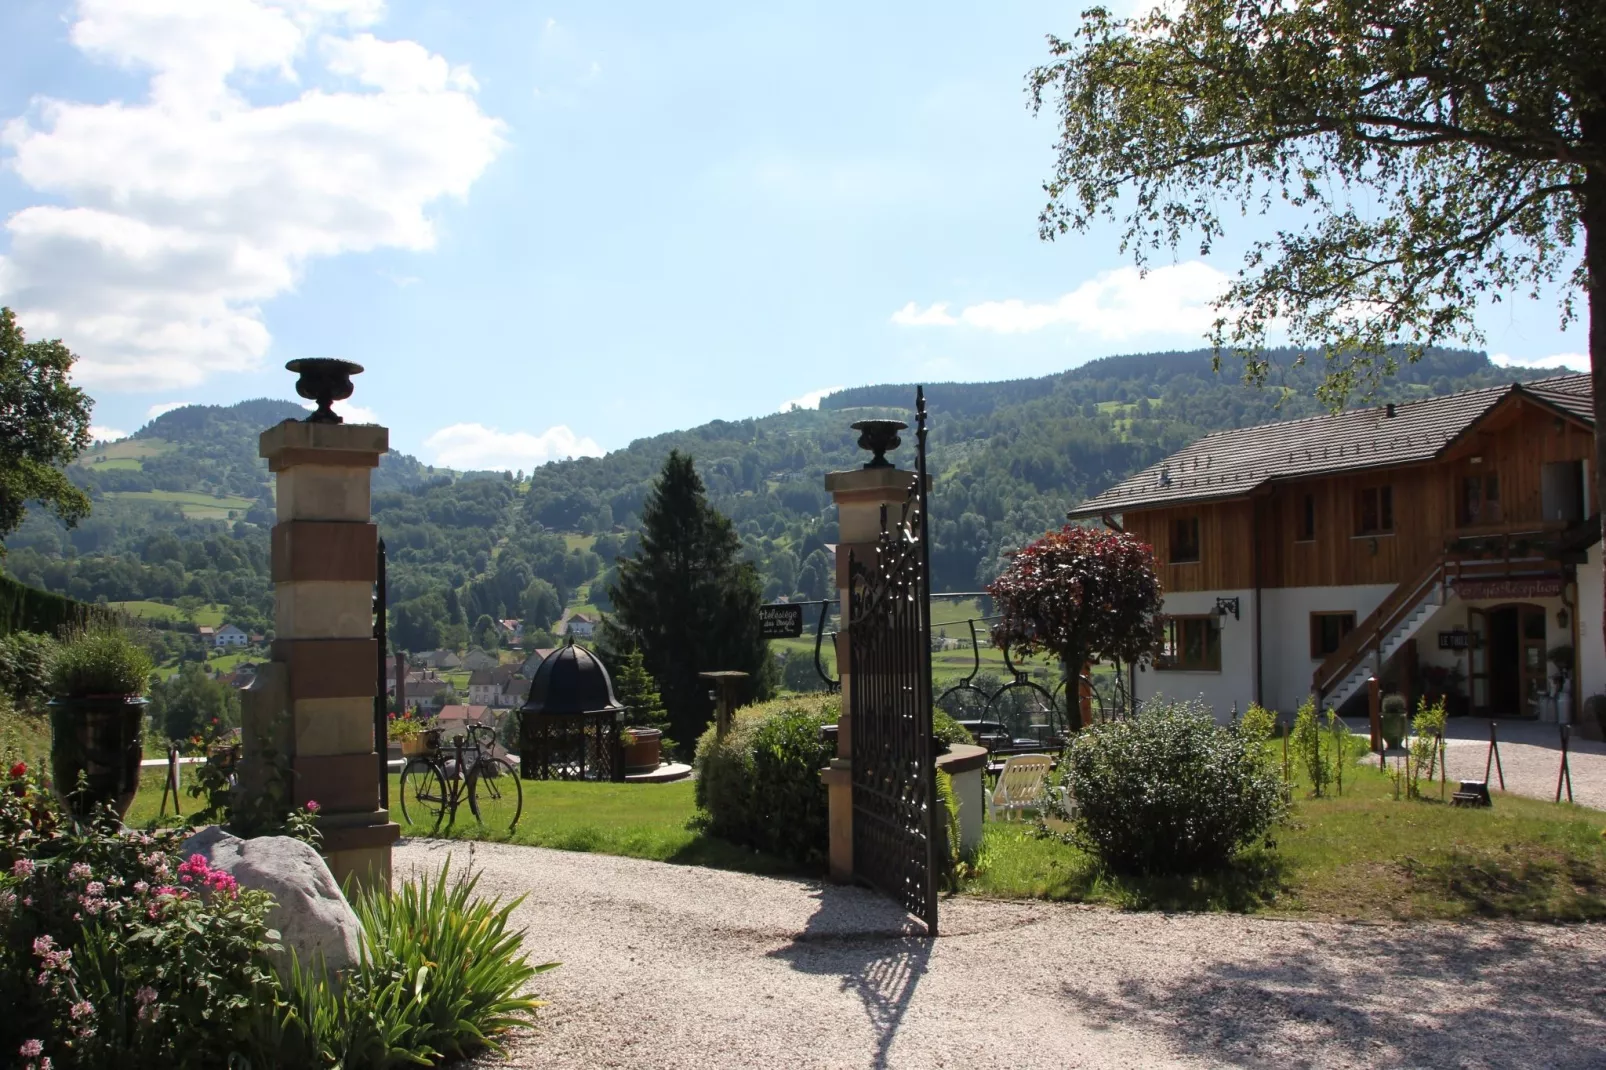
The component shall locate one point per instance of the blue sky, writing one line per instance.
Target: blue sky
(549, 228)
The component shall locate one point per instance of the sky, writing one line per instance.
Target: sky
(546, 230)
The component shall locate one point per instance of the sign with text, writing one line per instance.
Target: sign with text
(779, 620)
(1455, 639)
(1514, 587)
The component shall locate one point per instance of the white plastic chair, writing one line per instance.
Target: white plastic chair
(1020, 785)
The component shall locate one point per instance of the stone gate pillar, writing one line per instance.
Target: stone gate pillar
(859, 495)
(318, 697)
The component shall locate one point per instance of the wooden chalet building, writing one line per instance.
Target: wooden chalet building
(1297, 557)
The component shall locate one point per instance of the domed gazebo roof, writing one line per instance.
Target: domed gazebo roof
(571, 681)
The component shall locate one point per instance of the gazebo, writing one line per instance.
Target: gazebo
(569, 726)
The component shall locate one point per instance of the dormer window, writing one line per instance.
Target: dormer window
(1184, 540)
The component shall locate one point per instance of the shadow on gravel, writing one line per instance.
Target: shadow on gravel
(1365, 998)
(872, 947)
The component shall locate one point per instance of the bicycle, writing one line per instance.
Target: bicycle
(434, 785)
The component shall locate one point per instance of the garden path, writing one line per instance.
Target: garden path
(670, 966)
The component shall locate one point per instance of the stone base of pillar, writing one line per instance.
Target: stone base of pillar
(358, 846)
(838, 777)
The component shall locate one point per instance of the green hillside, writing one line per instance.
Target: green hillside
(183, 507)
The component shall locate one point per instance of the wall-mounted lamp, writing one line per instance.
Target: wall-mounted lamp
(1561, 617)
(1227, 605)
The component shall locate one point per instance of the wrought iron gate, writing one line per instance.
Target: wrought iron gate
(897, 820)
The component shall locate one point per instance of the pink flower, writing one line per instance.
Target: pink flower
(140, 887)
(43, 945)
(82, 1009)
(22, 868)
(145, 995)
(96, 888)
(80, 871)
(312, 806)
(31, 1048)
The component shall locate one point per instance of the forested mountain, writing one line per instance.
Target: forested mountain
(182, 508)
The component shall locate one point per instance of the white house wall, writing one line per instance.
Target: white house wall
(1220, 690)
(1286, 665)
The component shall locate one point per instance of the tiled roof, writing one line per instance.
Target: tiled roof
(1229, 464)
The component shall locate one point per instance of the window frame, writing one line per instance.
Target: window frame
(1380, 496)
(1173, 543)
(1174, 643)
(1487, 485)
(1319, 615)
(1305, 523)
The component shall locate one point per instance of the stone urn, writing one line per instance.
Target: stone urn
(102, 738)
(643, 749)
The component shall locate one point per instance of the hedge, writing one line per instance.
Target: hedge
(28, 609)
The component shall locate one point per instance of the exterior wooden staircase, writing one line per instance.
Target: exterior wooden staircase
(1408, 608)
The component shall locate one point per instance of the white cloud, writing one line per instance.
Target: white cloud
(164, 407)
(352, 414)
(912, 315)
(480, 448)
(811, 400)
(106, 434)
(1113, 305)
(1578, 362)
(155, 268)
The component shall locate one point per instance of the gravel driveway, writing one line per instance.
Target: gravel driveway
(676, 966)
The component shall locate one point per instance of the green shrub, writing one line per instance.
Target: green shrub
(1169, 791)
(439, 975)
(947, 730)
(114, 952)
(1313, 754)
(26, 659)
(760, 786)
(1258, 725)
(1427, 729)
(100, 661)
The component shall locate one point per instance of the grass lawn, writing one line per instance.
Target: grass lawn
(655, 821)
(194, 505)
(211, 615)
(579, 542)
(1362, 855)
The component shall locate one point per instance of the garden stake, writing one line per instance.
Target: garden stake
(1444, 766)
(1564, 773)
(171, 786)
(1409, 793)
(1338, 762)
(1288, 785)
(1493, 759)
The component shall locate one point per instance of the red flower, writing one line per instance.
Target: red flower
(19, 770)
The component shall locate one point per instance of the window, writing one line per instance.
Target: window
(1191, 644)
(1480, 499)
(1374, 511)
(1306, 531)
(1184, 540)
(1327, 631)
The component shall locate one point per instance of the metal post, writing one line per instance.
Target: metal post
(381, 728)
(1493, 759)
(1564, 773)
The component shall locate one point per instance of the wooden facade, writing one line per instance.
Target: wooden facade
(1491, 479)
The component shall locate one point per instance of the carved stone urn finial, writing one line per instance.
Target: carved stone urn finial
(879, 437)
(323, 380)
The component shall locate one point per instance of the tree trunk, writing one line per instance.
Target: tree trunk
(1594, 219)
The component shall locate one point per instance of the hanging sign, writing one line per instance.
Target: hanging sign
(1455, 639)
(780, 620)
(1516, 587)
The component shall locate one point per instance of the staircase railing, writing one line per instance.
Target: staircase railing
(1366, 638)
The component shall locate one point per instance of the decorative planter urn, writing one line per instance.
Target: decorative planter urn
(101, 737)
(421, 744)
(645, 754)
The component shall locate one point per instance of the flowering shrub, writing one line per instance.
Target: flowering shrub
(1084, 594)
(116, 952)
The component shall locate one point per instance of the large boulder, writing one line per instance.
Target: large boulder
(312, 917)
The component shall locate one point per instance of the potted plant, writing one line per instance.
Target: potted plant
(97, 720)
(1393, 721)
(643, 749)
(418, 736)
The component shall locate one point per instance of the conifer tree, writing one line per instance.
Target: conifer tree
(634, 686)
(688, 602)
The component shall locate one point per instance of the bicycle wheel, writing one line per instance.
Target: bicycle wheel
(423, 794)
(494, 793)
